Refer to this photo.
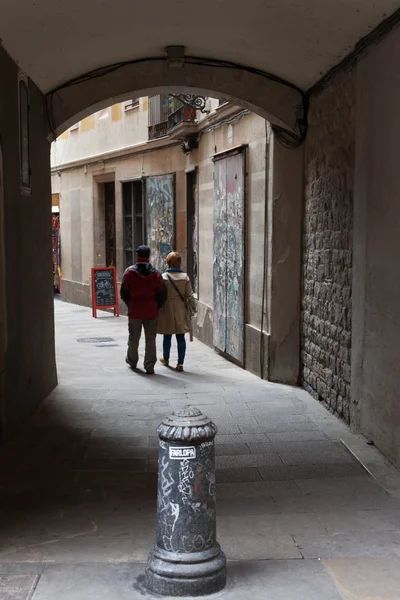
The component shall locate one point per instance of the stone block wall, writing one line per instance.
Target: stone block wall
(328, 245)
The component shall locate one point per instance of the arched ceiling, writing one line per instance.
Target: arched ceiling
(298, 40)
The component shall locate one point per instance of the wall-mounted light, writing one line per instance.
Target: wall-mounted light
(175, 56)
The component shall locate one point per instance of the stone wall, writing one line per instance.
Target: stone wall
(327, 245)
(29, 356)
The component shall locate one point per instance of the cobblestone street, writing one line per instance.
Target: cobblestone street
(298, 514)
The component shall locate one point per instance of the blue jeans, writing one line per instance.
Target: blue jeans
(181, 342)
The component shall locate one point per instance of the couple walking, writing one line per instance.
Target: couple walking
(160, 304)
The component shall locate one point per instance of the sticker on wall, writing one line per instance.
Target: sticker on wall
(178, 453)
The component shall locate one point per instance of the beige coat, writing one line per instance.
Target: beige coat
(173, 317)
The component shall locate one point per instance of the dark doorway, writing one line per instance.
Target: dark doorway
(109, 213)
(134, 232)
(191, 227)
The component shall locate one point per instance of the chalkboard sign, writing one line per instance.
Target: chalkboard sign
(104, 289)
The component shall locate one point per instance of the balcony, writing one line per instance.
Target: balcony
(169, 117)
(158, 130)
(182, 123)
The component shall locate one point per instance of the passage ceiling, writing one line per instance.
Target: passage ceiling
(299, 40)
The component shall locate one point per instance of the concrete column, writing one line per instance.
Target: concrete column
(285, 212)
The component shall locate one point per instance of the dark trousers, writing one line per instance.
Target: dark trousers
(150, 332)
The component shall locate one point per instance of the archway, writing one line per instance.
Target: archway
(277, 246)
(283, 104)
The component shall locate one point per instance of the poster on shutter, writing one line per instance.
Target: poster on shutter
(229, 208)
(235, 257)
(160, 217)
(219, 268)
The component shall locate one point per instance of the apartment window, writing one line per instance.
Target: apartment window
(25, 165)
(158, 116)
(131, 104)
(133, 219)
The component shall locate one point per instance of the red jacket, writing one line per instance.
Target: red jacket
(143, 290)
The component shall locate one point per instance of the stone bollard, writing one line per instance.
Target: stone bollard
(186, 560)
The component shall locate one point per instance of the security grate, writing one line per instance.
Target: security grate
(94, 340)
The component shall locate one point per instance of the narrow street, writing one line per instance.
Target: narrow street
(298, 516)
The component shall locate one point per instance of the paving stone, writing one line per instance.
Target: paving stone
(366, 577)
(228, 506)
(311, 471)
(282, 580)
(121, 451)
(88, 582)
(346, 521)
(85, 548)
(297, 436)
(309, 458)
(238, 475)
(107, 441)
(376, 543)
(249, 460)
(239, 438)
(17, 586)
(336, 502)
(258, 547)
(108, 464)
(118, 478)
(230, 429)
(255, 489)
(279, 426)
(270, 524)
(231, 449)
(362, 484)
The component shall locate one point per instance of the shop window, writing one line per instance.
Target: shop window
(25, 164)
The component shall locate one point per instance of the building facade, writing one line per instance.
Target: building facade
(153, 170)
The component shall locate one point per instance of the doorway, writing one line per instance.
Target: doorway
(109, 215)
(134, 225)
(229, 248)
(191, 227)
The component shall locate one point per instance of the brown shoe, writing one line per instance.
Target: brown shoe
(179, 368)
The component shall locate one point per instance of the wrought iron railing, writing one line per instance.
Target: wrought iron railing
(166, 113)
(183, 114)
(158, 130)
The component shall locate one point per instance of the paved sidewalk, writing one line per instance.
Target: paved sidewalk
(298, 516)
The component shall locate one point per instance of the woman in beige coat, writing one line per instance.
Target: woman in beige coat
(175, 316)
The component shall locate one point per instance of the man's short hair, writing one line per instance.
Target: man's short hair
(143, 251)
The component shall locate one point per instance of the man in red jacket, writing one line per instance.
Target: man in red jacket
(143, 291)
